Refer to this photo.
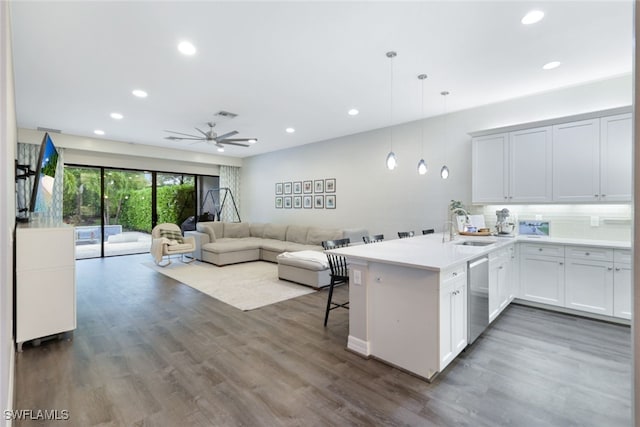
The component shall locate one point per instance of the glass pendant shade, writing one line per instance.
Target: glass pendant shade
(422, 167)
(391, 161)
(444, 172)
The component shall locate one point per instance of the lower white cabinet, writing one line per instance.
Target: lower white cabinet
(622, 283)
(589, 286)
(542, 273)
(453, 316)
(500, 281)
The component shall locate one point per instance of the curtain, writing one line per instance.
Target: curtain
(230, 178)
(28, 155)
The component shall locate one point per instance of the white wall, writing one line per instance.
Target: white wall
(8, 135)
(370, 196)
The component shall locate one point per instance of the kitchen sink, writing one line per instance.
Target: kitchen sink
(475, 243)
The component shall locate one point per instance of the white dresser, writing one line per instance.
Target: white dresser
(45, 291)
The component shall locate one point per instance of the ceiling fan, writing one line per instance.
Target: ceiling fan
(212, 137)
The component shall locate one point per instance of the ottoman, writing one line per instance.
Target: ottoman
(309, 268)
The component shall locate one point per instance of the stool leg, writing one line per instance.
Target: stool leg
(326, 314)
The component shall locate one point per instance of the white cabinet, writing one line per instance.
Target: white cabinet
(512, 167)
(616, 143)
(589, 279)
(500, 289)
(592, 160)
(489, 168)
(45, 282)
(622, 284)
(542, 273)
(576, 161)
(453, 315)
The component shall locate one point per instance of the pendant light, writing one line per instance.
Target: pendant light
(422, 165)
(392, 162)
(444, 172)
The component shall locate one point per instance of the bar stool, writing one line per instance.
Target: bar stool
(339, 273)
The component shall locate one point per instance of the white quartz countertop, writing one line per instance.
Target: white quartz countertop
(429, 253)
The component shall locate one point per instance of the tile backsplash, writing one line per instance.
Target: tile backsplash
(600, 222)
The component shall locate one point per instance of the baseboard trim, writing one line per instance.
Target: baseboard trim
(358, 346)
(10, 384)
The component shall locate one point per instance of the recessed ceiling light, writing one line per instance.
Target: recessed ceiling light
(187, 48)
(116, 116)
(220, 149)
(532, 17)
(290, 130)
(98, 132)
(551, 65)
(139, 93)
(252, 141)
(353, 112)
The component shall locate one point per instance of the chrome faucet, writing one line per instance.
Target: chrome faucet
(444, 228)
(453, 223)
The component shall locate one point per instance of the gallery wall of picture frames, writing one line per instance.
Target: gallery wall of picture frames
(306, 194)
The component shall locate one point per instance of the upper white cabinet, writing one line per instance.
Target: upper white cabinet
(512, 167)
(587, 160)
(616, 144)
(490, 170)
(576, 161)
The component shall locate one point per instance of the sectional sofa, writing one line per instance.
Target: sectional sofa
(223, 243)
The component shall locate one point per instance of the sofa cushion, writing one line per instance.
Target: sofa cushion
(318, 235)
(275, 231)
(236, 229)
(275, 245)
(256, 229)
(297, 234)
(212, 228)
(232, 245)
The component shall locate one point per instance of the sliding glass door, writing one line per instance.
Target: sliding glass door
(82, 208)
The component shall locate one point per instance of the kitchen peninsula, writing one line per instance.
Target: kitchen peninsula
(408, 297)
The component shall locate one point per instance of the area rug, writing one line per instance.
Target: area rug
(246, 286)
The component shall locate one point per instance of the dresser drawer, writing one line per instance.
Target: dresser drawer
(589, 252)
(542, 249)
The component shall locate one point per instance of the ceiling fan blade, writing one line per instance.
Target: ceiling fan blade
(206, 135)
(227, 141)
(180, 133)
(180, 138)
(241, 139)
(221, 137)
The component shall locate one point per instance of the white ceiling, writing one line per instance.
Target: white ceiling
(296, 64)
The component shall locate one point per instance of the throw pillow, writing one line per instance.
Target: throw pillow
(172, 235)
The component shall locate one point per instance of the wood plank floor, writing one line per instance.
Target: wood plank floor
(150, 351)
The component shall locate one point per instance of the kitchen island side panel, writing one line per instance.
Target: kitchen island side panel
(404, 317)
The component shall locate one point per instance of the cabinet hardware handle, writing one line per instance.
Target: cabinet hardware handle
(603, 195)
(609, 268)
(455, 274)
(505, 197)
(561, 263)
(617, 268)
(540, 249)
(501, 267)
(595, 195)
(587, 253)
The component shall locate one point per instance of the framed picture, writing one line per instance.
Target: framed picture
(318, 186)
(330, 185)
(287, 202)
(287, 188)
(297, 202)
(318, 201)
(330, 201)
(307, 201)
(278, 202)
(307, 187)
(278, 188)
(297, 187)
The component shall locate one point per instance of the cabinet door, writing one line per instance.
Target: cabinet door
(576, 161)
(542, 279)
(453, 319)
(622, 291)
(489, 181)
(616, 158)
(530, 162)
(589, 286)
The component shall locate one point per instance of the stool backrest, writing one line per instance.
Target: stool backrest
(373, 239)
(405, 234)
(337, 263)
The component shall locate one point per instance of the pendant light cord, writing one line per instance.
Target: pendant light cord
(391, 98)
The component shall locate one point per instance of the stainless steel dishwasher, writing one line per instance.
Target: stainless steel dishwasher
(477, 297)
